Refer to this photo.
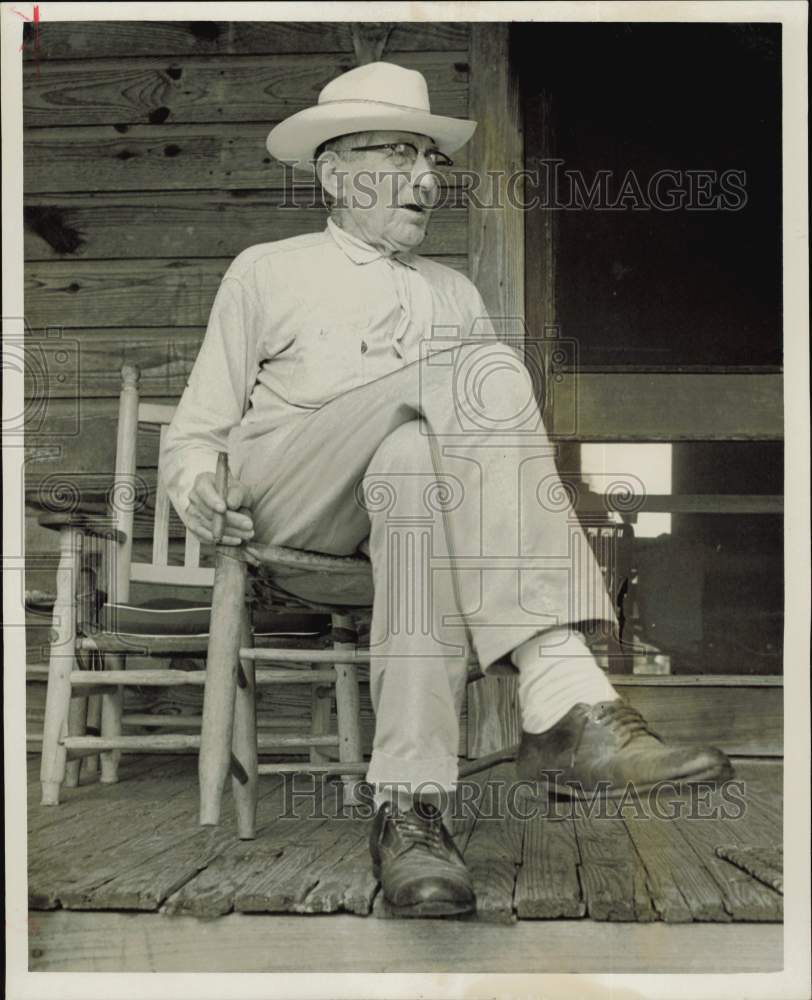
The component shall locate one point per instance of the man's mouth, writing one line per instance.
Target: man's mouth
(414, 208)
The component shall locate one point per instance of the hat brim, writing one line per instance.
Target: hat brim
(296, 139)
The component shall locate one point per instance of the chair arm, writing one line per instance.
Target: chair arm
(87, 524)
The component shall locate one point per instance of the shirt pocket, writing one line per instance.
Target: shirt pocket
(330, 357)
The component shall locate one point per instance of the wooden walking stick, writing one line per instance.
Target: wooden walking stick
(227, 614)
(221, 485)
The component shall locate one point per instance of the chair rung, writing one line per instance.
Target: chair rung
(296, 677)
(164, 741)
(301, 740)
(162, 721)
(306, 768)
(158, 678)
(195, 721)
(307, 655)
(170, 678)
(182, 741)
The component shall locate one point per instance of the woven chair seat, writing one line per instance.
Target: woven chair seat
(308, 579)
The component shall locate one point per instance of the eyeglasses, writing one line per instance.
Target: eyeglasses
(404, 154)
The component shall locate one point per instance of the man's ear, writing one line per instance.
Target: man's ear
(331, 175)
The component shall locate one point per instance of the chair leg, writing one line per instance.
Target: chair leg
(348, 704)
(77, 726)
(62, 660)
(244, 777)
(228, 600)
(93, 729)
(321, 704)
(112, 700)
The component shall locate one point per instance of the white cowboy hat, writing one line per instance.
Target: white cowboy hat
(378, 96)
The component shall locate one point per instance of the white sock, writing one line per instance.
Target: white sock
(557, 671)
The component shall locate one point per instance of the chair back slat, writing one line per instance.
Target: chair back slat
(181, 576)
(134, 415)
(191, 554)
(160, 526)
(123, 493)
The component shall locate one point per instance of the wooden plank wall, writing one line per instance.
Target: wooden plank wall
(146, 173)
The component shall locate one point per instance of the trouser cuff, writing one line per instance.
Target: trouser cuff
(413, 775)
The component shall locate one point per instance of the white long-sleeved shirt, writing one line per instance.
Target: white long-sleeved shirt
(296, 323)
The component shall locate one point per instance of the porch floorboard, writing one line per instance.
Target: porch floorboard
(136, 847)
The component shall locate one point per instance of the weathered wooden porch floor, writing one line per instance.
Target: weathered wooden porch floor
(136, 846)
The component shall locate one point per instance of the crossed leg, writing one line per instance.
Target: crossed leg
(446, 466)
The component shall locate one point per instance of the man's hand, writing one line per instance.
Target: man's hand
(204, 503)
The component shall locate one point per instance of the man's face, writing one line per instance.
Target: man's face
(388, 193)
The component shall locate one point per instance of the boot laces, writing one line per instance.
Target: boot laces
(624, 721)
(417, 829)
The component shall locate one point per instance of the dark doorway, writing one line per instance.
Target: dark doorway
(668, 177)
(654, 243)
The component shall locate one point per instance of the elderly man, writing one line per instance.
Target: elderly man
(365, 402)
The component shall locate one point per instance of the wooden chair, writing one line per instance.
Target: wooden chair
(80, 700)
(228, 735)
(96, 628)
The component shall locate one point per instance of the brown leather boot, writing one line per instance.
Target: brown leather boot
(421, 870)
(607, 748)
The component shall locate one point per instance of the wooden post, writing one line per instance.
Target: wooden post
(321, 704)
(119, 553)
(541, 242)
(496, 154)
(77, 726)
(348, 705)
(496, 232)
(123, 493)
(94, 704)
(62, 662)
(79, 716)
(244, 777)
(112, 700)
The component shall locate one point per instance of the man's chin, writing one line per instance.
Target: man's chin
(410, 240)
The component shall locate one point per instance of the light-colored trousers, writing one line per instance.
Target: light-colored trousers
(446, 467)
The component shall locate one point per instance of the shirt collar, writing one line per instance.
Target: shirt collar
(360, 252)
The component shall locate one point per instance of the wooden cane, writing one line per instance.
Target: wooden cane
(221, 485)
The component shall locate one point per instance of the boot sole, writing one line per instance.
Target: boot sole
(438, 908)
(545, 790)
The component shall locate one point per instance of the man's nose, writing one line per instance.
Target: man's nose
(426, 187)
